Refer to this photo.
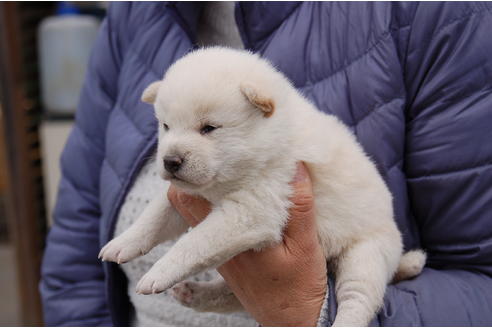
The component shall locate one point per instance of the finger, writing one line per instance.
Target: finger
(197, 207)
(172, 195)
(301, 214)
(193, 209)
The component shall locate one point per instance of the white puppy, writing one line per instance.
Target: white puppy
(231, 129)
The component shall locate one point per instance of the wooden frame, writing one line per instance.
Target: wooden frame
(20, 117)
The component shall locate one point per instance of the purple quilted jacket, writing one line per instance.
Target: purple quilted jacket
(412, 80)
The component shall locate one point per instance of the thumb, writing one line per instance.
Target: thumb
(301, 223)
(197, 207)
(193, 209)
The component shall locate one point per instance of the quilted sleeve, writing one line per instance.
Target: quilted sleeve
(435, 298)
(448, 164)
(72, 285)
(448, 161)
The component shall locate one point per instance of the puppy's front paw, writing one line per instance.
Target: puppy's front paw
(121, 250)
(153, 282)
(183, 293)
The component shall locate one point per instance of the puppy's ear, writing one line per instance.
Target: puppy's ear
(258, 99)
(150, 93)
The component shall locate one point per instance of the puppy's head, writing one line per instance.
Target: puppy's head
(216, 110)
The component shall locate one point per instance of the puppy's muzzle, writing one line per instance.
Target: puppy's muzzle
(172, 164)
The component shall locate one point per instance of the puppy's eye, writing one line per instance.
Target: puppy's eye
(207, 129)
(164, 125)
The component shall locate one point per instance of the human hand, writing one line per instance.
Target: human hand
(283, 285)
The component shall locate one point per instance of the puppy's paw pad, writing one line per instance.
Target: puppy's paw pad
(183, 293)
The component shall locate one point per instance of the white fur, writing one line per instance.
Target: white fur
(411, 265)
(244, 167)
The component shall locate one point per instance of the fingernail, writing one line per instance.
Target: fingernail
(301, 174)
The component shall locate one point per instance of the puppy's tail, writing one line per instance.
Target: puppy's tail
(411, 264)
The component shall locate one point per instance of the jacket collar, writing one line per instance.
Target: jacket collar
(256, 20)
(187, 14)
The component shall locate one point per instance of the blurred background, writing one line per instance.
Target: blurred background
(44, 49)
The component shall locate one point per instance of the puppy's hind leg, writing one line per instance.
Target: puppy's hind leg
(209, 296)
(363, 271)
(157, 223)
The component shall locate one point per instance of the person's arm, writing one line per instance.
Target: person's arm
(434, 298)
(448, 76)
(72, 285)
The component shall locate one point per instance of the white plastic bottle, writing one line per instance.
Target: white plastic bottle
(65, 43)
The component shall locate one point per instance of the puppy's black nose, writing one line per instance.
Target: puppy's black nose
(172, 163)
